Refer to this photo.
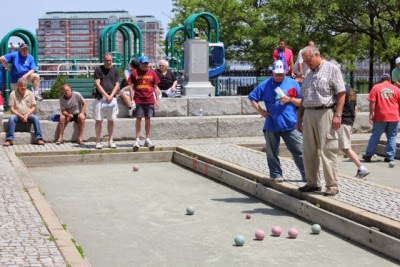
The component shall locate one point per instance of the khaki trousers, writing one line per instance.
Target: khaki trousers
(320, 144)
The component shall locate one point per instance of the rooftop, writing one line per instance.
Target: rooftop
(86, 14)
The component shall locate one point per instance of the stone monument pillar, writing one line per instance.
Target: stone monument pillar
(196, 80)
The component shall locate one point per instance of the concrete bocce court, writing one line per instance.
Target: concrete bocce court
(91, 203)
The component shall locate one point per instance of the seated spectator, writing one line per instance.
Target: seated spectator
(22, 105)
(21, 64)
(73, 108)
(126, 93)
(167, 78)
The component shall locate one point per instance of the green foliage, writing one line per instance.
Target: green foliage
(55, 90)
(342, 29)
(78, 248)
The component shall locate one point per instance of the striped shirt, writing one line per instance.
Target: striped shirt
(320, 87)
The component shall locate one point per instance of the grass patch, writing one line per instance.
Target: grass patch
(52, 238)
(64, 226)
(78, 248)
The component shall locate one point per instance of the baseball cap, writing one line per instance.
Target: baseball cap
(385, 77)
(23, 45)
(278, 67)
(398, 60)
(144, 59)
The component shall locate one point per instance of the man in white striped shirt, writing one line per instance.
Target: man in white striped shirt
(323, 93)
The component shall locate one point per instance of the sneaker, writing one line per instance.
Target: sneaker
(136, 144)
(99, 146)
(387, 160)
(331, 191)
(362, 173)
(278, 179)
(38, 97)
(111, 144)
(148, 143)
(8, 143)
(366, 158)
(308, 188)
(40, 142)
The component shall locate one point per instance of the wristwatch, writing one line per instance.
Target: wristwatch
(338, 115)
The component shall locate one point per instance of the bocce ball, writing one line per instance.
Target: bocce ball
(239, 240)
(248, 216)
(391, 164)
(135, 168)
(190, 210)
(276, 231)
(260, 234)
(316, 229)
(293, 233)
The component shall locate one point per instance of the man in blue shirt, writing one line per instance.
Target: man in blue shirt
(21, 64)
(281, 95)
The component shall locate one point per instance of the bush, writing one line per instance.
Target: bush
(55, 90)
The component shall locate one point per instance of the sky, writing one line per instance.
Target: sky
(25, 14)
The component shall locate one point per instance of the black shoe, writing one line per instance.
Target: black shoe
(308, 188)
(366, 158)
(387, 160)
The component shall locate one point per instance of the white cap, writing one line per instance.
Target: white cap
(398, 60)
(278, 67)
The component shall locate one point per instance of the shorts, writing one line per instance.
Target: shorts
(143, 110)
(14, 86)
(344, 136)
(99, 113)
(75, 118)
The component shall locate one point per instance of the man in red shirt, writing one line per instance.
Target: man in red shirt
(384, 114)
(285, 54)
(145, 94)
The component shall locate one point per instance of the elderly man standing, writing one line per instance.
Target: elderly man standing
(106, 80)
(281, 96)
(72, 106)
(21, 64)
(22, 104)
(323, 95)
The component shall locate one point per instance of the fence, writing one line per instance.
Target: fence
(231, 86)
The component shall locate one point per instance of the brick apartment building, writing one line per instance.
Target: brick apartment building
(153, 36)
(76, 34)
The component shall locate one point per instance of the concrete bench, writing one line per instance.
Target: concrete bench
(162, 128)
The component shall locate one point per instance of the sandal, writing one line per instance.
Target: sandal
(59, 142)
(80, 142)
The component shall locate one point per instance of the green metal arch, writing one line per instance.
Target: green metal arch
(24, 35)
(170, 44)
(136, 33)
(212, 24)
(107, 42)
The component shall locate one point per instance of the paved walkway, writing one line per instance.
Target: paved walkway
(24, 240)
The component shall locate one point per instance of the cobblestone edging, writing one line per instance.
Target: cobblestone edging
(24, 239)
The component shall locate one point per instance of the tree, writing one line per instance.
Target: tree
(346, 30)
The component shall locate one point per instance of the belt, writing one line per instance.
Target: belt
(321, 107)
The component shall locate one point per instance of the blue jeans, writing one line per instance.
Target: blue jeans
(294, 142)
(390, 129)
(12, 122)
